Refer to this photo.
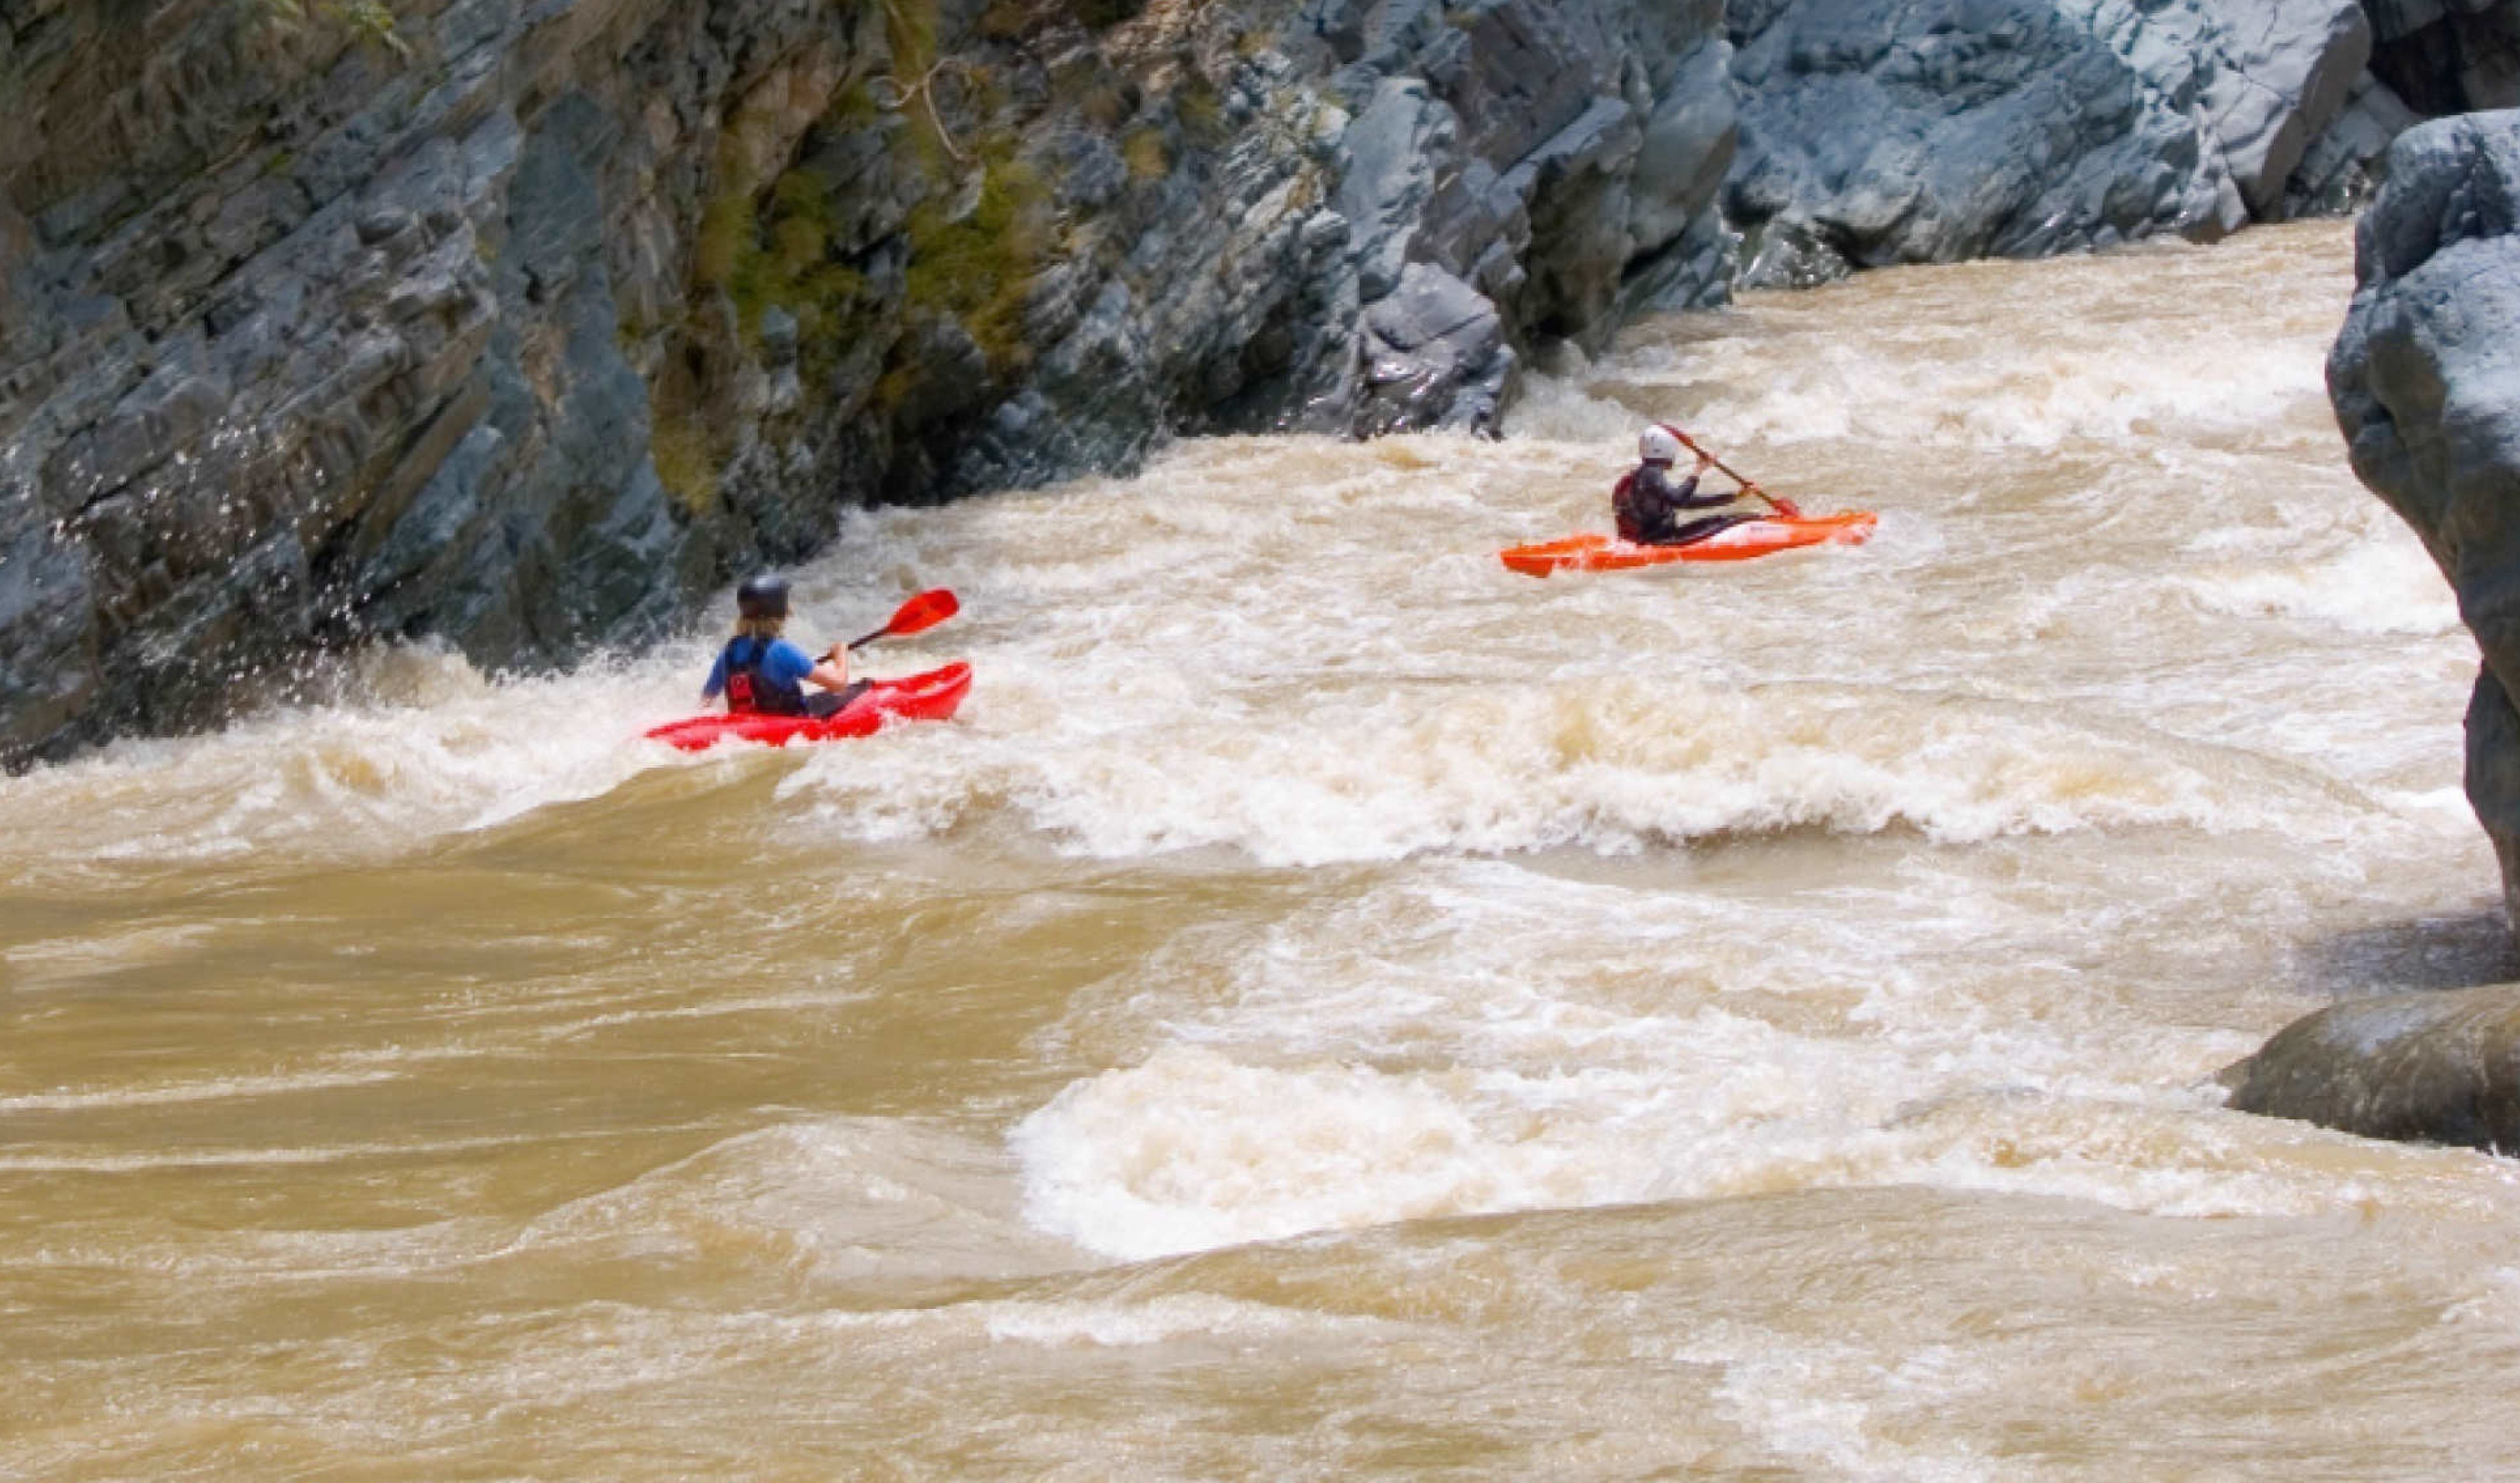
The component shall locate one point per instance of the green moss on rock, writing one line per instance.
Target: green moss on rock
(1149, 155)
(980, 267)
(678, 442)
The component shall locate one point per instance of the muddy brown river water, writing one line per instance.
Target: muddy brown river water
(1332, 1008)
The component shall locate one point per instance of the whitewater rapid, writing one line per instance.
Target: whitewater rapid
(1757, 1016)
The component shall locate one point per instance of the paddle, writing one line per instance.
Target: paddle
(918, 615)
(1780, 506)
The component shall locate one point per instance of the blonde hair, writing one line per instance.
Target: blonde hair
(760, 628)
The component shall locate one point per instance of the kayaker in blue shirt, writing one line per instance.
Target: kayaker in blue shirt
(762, 673)
(1648, 506)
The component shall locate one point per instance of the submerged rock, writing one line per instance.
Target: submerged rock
(2425, 380)
(2426, 1067)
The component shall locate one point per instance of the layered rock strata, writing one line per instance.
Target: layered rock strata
(2425, 378)
(2023, 127)
(521, 322)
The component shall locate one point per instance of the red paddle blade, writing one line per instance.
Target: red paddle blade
(922, 613)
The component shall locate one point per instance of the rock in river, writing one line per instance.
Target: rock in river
(2425, 378)
(2425, 1067)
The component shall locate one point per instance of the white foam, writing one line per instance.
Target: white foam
(1993, 395)
(2377, 588)
(424, 745)
(1564, 409)
(1606, 763)
(1158, 1320)
(1165, 1158)
(1799, 1397)
(1191, 1150)
(1489, 1040)
(1938, 360)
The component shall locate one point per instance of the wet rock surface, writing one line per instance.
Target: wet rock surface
(2426, 386)
(523, 324)
(2425, 1067)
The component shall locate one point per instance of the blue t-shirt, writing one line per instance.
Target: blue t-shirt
(786, 665)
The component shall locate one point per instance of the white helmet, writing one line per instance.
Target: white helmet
(1659, 445)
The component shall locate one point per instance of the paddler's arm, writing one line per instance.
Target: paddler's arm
(1685, 495)
(831, 670)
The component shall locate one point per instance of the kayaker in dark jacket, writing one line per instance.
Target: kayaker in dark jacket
(1648, 506)
(762, 673)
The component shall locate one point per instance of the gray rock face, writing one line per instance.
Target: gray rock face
(2283, 71)
(527, 321)
(1884, 131)
(2425, 378)
(1435, 355)
(2436, 1067)
(2339, 168)
(2448, 56)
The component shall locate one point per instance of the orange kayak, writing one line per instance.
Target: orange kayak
(1739, 543)
(932, 696)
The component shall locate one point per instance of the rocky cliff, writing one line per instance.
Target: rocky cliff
(2019, 127)
(522, 321)
(2448, 56)
(2425, 378)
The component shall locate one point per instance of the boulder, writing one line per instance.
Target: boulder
(2427, 1068)
(2425, 380)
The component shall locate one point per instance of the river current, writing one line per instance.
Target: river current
(1332, 1007)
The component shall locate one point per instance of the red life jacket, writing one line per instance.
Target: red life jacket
(1623, 509)
(748, 690)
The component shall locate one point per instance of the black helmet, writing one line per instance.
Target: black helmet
(762, 597)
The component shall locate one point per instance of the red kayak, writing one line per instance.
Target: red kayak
(932, 696)
(1739, 543)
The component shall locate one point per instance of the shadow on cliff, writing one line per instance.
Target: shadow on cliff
(2453, 952)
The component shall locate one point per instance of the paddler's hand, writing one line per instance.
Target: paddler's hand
(1788, 508)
